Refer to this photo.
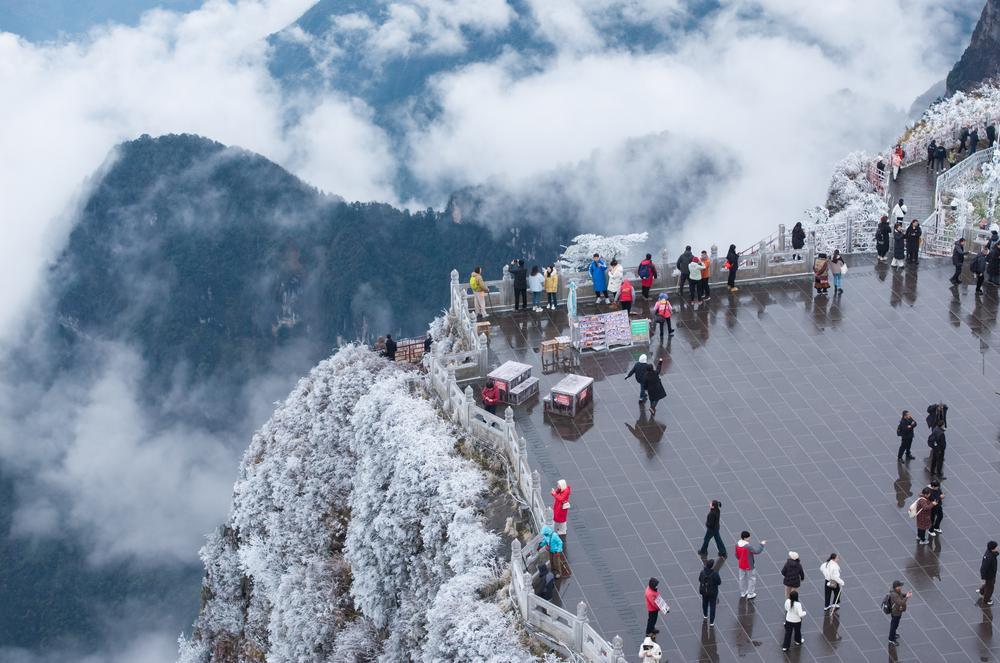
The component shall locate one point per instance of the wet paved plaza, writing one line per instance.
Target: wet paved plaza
(785, 408)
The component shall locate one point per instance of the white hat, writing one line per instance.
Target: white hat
(793, 555)
(642, 358)
(562, 484)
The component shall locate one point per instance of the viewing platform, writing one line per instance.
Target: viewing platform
(783, 405)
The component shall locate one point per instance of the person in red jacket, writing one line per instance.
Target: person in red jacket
(491, 397)
(560, 506)
(652, 609)
(626, 293)
(647, 274)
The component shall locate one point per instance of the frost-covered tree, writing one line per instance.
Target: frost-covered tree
(943, 121)
(581, 251)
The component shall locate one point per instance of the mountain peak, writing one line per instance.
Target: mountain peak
(981, 60)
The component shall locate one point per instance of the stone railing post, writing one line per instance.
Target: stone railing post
(522, 456)
(483, 355)
(781, 237)
(713, 253)
(617, 649)
(762, 259)
(470, 406)
(664, 270)
(515, 563)
(535, 499)
(578, 624)
(506, 288)
(849, 237)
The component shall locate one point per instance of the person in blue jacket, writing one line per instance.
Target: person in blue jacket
(599, 275)
(557, 558)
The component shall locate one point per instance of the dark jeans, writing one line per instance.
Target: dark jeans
(709, 535)
(987, 589)
(651, 621)
(708, 607)
(664, 322)
(551, 296)
(684, 279)
(645, 291)
(937, 514)
(792, 627)
(979, 280)
(831, 595)
(626, 306)
(921, 534)
(642, 392)
(937, 461)
(893, 625)
(703, 288)
(957, 276)
(911, 251)
(520, 295)
(904, 447)
(693, 287)
(732, 277)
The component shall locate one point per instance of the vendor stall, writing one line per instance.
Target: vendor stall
(570, 395)
(511, 375)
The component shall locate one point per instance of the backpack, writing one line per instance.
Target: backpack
(705, 584)
(887, 604)
(644, 271)
(911, 510)
(472, 283)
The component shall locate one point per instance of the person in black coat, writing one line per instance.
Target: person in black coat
(939, 155)
(546, 582)
(993, 264)
(937, 415)
(792, 573)
(937, 443)
(708, 586)
(520, 276)
(733, 258)
(427, 344)
(988, 572)
(931, 154)
(882, 234)
(913, 234)
(978, 267)
(991, 133)
(639, 370)
(973, 141)
(957, 258)
(904, 430)
(963, 136)
(798, 240)
(712, 529)
(390, 348)
(898, 245)
(654, 386)
(684, 267)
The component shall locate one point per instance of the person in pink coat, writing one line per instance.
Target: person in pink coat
(560, 506)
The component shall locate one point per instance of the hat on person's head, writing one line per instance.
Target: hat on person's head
(793, 555)
(642, 359)
(664, 295)
(562, 484)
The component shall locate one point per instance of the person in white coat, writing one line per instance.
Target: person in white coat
(616, 274)
(899, 211)
(834, 583)
(649, 651)
(793, 620)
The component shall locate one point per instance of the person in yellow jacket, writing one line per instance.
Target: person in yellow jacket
(551, 286)
(478, 287)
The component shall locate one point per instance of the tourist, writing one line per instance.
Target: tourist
(706, 273)
(560, 506)
(616, 274)
(708, 586)
(904, 431)
(551, 541)
(940, 153)
(899, 211)
(821, 274)
(792, 573)
(478, 287)
(963, 136)
(599, 277)
(654, 386)
(993, 264)
(898, 245)
(882, 234)
(973, 141)
(626, 293)
(793, 620)
(520, 276)
(937, 443)
(491, 397)
(647, 274)
(732, 264)
(746, 563)
(652, 609)
(390, 348)
(834, 583)
(649, 651)
(662, 311)
(694, 278)
(712, 529)
(798, 240)
(546, 582)
(913, 234)
(897, 160)
(937, 415)
(427, 343)
(952, 158)
(991, 132)
(897, 606)
(639, 369)
(978, 267)
(551, 287)
(994, 236)
(838, 267)
(957, 258)
(937, 513)
(931, 155)
(536, 283)
(683, 266)
(988, 572)
(921, 510)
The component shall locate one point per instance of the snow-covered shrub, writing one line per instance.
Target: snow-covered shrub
(357, 642)
(944, 120)
(581, 251)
